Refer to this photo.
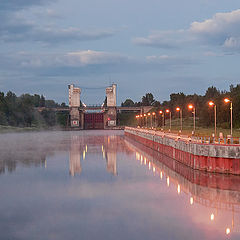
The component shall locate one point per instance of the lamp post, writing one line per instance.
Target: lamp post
(154, 115)
(145, 115)
(170, 119)
(137, 117)
(149, 114)
(212, 104)
(227, 100)
(141, 120)
(192, 108)
(161, 112)
(178, 109)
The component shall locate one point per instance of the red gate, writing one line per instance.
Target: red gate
(93, 121)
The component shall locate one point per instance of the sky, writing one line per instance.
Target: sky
(155, 46)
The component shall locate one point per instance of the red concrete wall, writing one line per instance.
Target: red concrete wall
(204, 163)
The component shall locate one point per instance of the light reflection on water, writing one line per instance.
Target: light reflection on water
(101, 185)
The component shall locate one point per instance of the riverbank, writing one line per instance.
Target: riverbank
(205, 156)
(11, 129)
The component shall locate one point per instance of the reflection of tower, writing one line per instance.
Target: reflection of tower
(111, 156)
(112, 163)
(74, 157)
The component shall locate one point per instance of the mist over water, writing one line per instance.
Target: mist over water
(102, 185)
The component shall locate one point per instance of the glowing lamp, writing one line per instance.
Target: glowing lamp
(178, 109)
(167, 111)
(211, 103)
(226, 100)
(190, 106)
(228, 231)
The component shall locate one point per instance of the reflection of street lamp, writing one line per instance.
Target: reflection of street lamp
(178, 189)
(161, 112)
(228, 231)
(170, 118)
(178, 109)
(227, 100)
(192, 108)
(211, 103)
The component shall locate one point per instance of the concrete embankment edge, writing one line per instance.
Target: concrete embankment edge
(205, 157)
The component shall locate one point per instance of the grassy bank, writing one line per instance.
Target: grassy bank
(201, 131)
(11, 129)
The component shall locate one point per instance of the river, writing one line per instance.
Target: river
(102, 185)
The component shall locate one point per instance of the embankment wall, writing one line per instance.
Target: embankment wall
(202, 156)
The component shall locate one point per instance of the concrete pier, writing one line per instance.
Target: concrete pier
(219, 158)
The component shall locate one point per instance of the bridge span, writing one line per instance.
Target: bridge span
(102, 116)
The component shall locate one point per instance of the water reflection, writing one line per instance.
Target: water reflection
(99, 184)
(107, 145)
(218, 195)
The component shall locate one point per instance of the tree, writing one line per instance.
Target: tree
(42, 101)
(128, 103)
(148, 99)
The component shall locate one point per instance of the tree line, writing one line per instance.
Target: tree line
(204, 112)
(22, 111)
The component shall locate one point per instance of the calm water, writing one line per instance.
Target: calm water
(101, 185)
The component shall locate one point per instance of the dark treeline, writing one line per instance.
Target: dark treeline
(22, 111)
(147, 100)
(204, 112)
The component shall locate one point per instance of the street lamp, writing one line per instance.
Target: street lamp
(178, 109)
(212, 104)
(192, 108)
(170, 118)
(227, 100)
(161, 112)
(154, 115)
(145, 115)
(141, 119)
(149, 114)
(137, 119)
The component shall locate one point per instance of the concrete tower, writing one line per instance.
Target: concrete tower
(74, 104)
(111, 93)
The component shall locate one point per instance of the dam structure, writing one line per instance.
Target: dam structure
(209, 157)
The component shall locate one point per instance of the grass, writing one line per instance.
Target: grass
(7, 129)
(200, 131)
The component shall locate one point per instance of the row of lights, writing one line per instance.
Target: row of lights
(151, 166)
(192, 108)
(212, 104)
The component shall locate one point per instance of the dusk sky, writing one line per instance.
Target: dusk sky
(144, 46)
